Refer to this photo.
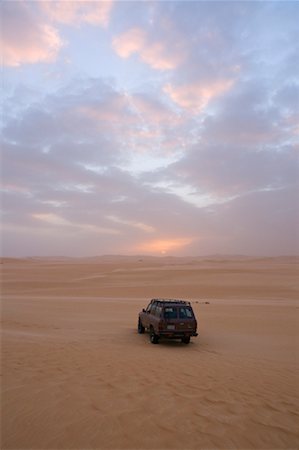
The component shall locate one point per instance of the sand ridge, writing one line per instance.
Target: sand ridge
(76, 375)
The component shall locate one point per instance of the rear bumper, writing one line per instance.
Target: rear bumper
(177, 334)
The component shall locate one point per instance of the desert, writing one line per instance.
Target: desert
(77, 375)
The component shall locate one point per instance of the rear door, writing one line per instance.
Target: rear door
(186, 319)
(171, 317)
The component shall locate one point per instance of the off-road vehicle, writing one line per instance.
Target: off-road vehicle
(168, 318)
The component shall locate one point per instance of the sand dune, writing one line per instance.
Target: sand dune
(76, 375)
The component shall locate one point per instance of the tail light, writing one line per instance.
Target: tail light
(161, 325)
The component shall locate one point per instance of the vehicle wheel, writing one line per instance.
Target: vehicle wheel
(140, 327)
(186, 340)
(153, 337)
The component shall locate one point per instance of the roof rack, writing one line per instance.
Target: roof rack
(170, 300)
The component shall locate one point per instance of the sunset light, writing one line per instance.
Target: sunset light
(164, 246)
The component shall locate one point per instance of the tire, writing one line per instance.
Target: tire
(140, 327)
(186, 340)
(153, 337)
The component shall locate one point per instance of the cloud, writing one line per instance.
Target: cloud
(58, 221)
(260, 223)
(51, 218)
(225, 172)
(253, 114)
(67, 172)
(152, 110)
(196, 96)
(139, 225)
(129, 42)
(27, 40)
(30, 33)
(77, 12)
(196, 156)
(160, 54)
(74, 123)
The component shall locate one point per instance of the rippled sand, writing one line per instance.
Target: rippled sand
(76, 375)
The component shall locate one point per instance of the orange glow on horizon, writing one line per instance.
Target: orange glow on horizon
(163, 246)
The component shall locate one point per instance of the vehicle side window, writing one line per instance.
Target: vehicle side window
(158, 311)
(153, 308)
(148, 309)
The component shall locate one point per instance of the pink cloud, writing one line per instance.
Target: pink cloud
(292, 122)
(160, 55)
(152, 110)
(129, 42)
(99, 114)
(135, 110)
(29, 37)
(146, 134)
(27, 40)
(114, 112)
(196, 96)
(94, 13)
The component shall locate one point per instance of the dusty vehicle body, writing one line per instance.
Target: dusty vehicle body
(168, 318)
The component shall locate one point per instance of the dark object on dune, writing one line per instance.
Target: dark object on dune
(168, 318)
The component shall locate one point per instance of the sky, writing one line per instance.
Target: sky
(155, 128)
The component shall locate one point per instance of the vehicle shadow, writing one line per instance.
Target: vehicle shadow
(164, 342)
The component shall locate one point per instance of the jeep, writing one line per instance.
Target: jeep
(168, 318)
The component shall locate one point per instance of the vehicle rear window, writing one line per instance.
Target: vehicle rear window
(185, 312)
(170, 312)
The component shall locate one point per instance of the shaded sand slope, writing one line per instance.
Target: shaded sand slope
(76, 375)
